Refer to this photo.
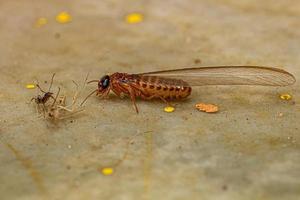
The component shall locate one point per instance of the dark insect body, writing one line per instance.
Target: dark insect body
(176, 84)
(43, 99)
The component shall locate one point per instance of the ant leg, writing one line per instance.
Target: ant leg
(51, 82)
(55, 96)
(37, 85)
(44, 110)
(37, 108)
(33, 98)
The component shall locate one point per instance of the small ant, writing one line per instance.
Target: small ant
(43, 99)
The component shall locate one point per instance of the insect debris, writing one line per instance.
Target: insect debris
(60, 110)
(57, 109)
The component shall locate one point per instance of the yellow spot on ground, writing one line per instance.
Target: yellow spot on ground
(285, 96)
(63, 18)
(169, 109)
(30, 86)
(134, 18)
(209, 108)
(107, 171)
(41, 22)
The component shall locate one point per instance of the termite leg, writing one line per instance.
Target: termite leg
(117, 91)
(119, 88)
(132, 96)
(155, 96)
(105, 95)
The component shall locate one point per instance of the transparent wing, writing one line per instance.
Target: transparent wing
(229, 75)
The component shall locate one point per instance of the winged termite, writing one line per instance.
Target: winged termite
(176, 84)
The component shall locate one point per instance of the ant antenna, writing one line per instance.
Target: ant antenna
(56, 96)
(51, 82)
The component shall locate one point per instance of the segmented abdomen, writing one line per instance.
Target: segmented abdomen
(163, 87)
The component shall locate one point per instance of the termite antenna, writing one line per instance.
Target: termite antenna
(88, 97)
(86, 78)
(92, 81)
(51, 82)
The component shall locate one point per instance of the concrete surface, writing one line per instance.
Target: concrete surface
(246, 151)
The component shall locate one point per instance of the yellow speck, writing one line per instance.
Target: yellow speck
(63, 18)
(285, 96)
(169, 109)
(107, 171)
(41, 22)
(134, 18)
(30, 86)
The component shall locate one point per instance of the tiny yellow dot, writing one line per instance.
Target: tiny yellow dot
(285, 96)
(107, 171)
(41, 22)
(30, 86)
(134, 18)
(63, 18)
(169, 109)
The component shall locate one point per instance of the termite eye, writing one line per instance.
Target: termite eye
(104, 82)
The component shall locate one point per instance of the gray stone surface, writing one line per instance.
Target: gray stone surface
(246, 151)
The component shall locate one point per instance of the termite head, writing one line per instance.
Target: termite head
(103, 87)
(103, 84)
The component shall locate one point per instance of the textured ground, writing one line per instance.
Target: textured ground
(246, 151)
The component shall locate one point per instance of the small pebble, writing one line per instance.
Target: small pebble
(134, 18)
(63, 18)
(197, 61)
(169, 109)
(30, 86)
(69, 146)
(107, 171)
(57, 35)
(285, 96)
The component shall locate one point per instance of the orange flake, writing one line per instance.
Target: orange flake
(209, 108)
